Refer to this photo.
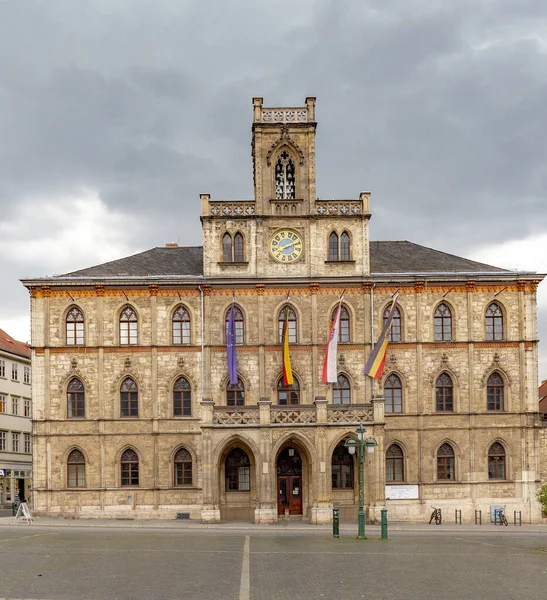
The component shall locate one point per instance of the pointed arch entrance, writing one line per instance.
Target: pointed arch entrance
(289, 482)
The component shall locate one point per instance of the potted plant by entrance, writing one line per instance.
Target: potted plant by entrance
(542, 499)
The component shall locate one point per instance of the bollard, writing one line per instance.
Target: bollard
(478, 517)
(458, 516)
(517, 516)
(336, 523)
(384, 523)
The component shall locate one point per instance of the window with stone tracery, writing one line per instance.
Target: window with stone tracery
(74, 327)
(284, 177)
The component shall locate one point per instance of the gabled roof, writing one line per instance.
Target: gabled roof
(385, 257)
(8, 344)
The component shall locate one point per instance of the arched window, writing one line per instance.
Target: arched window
(128, 327)
(181, 326)
(443, 323)
(394, 333)
(75, 399)
(182, 398)
(183, 467)
(129, 398)
(445, 463)
(74, 327)
(288, 394)
(395, 464)
(238, 471)
(333, 246)
(284, 177)
(496, 461)
(239, 324)
(342, 468)
(494, 392)
(287, 313)
(345, 253)
(341, 391)
(494, 322)
(239, 254)
(75, 469)
(227, 248)
(444, 396)
(393, 393)
(344, 329)
(129, 468)
(235, 393)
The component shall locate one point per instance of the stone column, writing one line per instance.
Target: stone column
(266, 506)
(210, 510)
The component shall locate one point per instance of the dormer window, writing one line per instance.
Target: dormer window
(284, 177)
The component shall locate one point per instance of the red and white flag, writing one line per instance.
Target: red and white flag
(330, 371)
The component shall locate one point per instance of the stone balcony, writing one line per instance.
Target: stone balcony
(266, 414)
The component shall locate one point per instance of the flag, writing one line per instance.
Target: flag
(375, 363)
(287, 369)
(231, 346)
(330, 374)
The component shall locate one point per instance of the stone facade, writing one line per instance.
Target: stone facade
(262, 428)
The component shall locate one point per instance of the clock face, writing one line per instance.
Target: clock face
(286, 246)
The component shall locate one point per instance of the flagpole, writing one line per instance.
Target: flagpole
(372, 327)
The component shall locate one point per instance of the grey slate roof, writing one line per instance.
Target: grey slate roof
(385, 257)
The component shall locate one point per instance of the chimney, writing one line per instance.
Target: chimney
(171, 245)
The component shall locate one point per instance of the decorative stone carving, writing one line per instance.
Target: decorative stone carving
(228, 209)
(236, 417)
(73, 363)
(127, 363)
(291, 415)
(339, 207)
(349, 415)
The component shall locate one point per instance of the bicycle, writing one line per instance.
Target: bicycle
(501, 518)
(437, 515)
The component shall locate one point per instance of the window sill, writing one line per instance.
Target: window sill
(233, 263)
(337, 262)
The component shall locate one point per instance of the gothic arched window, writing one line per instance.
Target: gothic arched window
(183, 467)
(443, 323)
(395, 470)
(394, 333)
(239, 254)
(75, 399)
(333, 246)
(445, 462)
(494, 392)
(239, 324)
(287, 313)
(182, 398)
(444, 397)
(393, 393)
(129, 468)
(342, 468)
(129, 398)
(494, 322)
(496, 461)
(341, 391)
(288, 394)
(128, 326)
(238, 471)
(344, 329)
(284, 177)
(181, 326)
(345, 253)
(74, 327)
(227, 248)
(235, 393)
(75, 469)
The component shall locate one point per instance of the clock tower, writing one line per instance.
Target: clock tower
(286, 230)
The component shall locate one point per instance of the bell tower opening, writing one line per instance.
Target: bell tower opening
(284, 177)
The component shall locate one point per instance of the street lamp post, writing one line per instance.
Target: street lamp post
(361, 443)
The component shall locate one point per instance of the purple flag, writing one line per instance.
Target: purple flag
(231, 347)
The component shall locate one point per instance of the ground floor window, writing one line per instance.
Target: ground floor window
(238, 471)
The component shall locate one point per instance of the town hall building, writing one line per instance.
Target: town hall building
(135, 416)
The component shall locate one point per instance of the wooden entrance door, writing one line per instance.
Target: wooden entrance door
(289, 482)
(289, 494)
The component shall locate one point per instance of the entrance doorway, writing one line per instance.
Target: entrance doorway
(289, 482)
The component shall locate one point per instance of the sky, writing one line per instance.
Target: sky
(116, 114)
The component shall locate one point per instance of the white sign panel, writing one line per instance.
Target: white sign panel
(2, 472)
(401, 492)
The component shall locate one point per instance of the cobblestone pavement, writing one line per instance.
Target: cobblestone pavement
(98, 564)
